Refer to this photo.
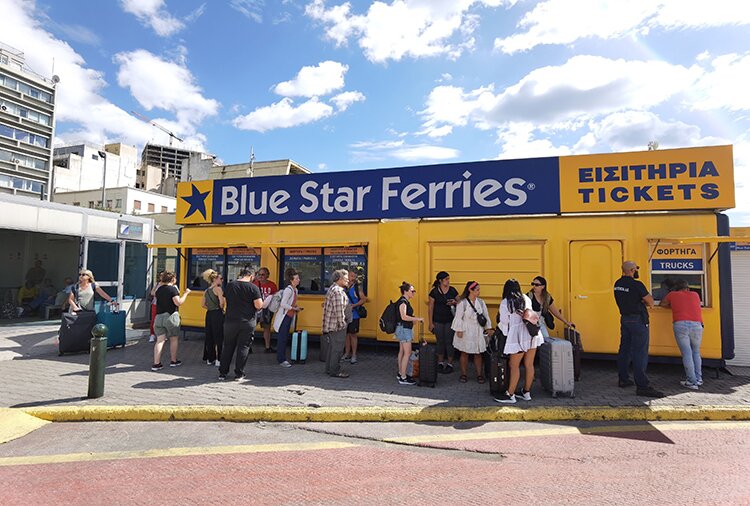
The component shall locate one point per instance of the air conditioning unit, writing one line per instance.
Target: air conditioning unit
(3, 107)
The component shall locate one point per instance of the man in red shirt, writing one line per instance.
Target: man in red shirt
(687, 322)
(267, 288)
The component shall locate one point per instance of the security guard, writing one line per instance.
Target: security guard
(633, 300)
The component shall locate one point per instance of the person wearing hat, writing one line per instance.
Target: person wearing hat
(442, 306)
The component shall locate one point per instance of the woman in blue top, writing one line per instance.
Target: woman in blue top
(357, 298)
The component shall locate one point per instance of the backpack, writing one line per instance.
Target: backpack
(390, 317)
(275, 303)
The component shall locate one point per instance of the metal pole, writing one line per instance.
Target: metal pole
(97, 361)
(104, 179)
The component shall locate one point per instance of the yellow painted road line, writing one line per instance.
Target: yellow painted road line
(569, 431)
(15, 424)
(172, 452)
(386, 414)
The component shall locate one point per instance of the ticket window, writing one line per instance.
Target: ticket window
(316, 266)
(240, 258)
(199, 260)
(671, 262)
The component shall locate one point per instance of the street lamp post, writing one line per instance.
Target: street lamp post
(104, 179)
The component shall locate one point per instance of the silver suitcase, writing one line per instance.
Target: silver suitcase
(556, 362)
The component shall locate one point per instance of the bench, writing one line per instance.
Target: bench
(50, 309)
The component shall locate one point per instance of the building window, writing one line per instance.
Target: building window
(316, 265)
(118, 204)
(151, 208)
(109, 204)
(94, 157)
(164, 209)
(99, 204)
(238, 258)
(77, 204)
(91, 204)
(137, 205)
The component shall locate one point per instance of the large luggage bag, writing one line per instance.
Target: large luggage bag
(496, 367)
(427, 365)
(572, 335)
(298, 353)
(115, 322)
(556, 363)
(75, 332)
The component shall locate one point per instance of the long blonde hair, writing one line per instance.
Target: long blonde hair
(89, 274)
(209, 275)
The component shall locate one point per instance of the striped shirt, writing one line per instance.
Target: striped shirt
(334, 309)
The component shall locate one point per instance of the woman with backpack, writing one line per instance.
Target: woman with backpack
(405, 331)
(470, 325)
(544, 305)
(520, 345)
(284, 318)
(81, 296)
(215, 305)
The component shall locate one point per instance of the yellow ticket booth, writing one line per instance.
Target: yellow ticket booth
(570, 219)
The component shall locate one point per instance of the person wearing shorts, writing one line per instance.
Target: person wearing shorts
(405, 332)
(167, 321)
(267, 288)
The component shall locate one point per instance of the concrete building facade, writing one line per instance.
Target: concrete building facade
(27, 107)
(81, 167)
(124, 200)
(169, 165)
(267, 168)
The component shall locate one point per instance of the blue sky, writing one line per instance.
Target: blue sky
(350, 85)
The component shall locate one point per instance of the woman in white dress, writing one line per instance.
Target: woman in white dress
(470, 324)
(520, 345)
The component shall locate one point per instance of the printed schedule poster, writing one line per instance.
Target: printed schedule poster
(308, 262)
(237, 258)
(351, 259)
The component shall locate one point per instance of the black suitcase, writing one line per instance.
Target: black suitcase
(572, 335)
(496, 365)
(427, 364)
(75, 332)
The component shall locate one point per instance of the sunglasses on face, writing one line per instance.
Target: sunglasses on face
(536, 284)
(413, 290)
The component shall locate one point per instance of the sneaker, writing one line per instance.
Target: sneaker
(344, 358)
(176, 363)
(285, 363)
(209, 362)
(240, 377)
(506, 398)
(222, 377)
(625, 384)
(269, 350)
(152, 338)
(406, 381)
(441, 368)
(649, 392)
(157, 367)
(217, 363)
(691, 386)
(525, 395)
(353, 359)
(699, 382)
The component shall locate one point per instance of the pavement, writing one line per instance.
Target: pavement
(34, 377)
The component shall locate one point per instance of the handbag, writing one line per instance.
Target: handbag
(549, 320)
(362, 311)
(531, 320)
(481, 319)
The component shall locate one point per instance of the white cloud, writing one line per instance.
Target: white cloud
(723, 85)
(283, 114)
(517, 140)
(157, 83)
(252, 9)
(740, 215)
(559, 96)
(344, 100)
(403, 28)
(153, 13)
(565, 22)
(310, 81)
(400, 150)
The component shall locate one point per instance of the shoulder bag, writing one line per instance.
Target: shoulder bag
(481, 319)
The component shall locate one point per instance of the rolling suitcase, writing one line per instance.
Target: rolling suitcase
(572, 335)
(556, 363)
(75, 332)
(427, 361)
(496, 365)
(298, 354)
(115, 322)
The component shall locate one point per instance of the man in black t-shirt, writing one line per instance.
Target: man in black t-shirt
(243, 301)
(633, 300)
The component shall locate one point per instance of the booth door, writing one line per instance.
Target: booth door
(741, 298)
(594, 268)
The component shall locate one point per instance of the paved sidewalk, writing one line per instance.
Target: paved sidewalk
(32, 374)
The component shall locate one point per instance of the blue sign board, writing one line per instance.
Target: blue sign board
(490, 188)
(677, 264)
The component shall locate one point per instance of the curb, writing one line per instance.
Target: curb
(383, 414)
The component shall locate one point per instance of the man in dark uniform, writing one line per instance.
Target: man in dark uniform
(243, 301)
(633, 300)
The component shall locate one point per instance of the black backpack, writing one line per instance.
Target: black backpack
(390, 317)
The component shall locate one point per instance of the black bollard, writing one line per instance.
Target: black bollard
(97, 360)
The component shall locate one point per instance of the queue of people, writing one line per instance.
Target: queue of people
(460, 322)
